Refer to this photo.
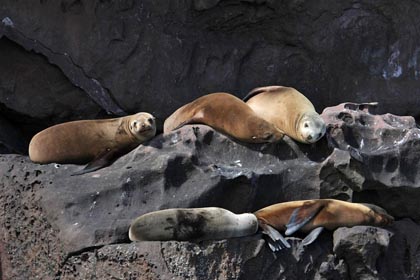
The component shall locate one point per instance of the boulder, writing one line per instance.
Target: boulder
(57, 225)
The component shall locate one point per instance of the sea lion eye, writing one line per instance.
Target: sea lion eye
(135, 123)
(150, 120)
(306, 125)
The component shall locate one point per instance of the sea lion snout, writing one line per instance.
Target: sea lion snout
(384, 219)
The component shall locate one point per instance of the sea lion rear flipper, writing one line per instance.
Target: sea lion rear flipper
(102, 160)
(312, 236)
(276, 241)
(301, 216)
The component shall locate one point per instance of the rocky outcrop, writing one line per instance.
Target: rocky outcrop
(131, 56)
(62, 226)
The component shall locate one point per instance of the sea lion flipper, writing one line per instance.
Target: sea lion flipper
(276, 240)
(301, 216)
(312, 236)
(102, 160)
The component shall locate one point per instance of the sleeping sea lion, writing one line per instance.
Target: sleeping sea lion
(98, 142)
(192, 224)
(213, 223)
(314, 215)
(227, 114)
(289, 110)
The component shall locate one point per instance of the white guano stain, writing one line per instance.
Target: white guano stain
(7, 22)
(393, 69)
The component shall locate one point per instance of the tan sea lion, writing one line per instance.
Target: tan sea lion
(227, 114)
(96, 141)
(314, 215)
(289, 110)
(184, 224)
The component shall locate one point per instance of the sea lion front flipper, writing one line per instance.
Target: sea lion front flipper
(301, 216)
(312, 236)
(102, 160)
(276, 240)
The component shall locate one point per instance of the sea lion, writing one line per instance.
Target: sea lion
(96, 141)
(227, 114)
(289, 110)
(184, 224)
(314, 215)
(212, 223)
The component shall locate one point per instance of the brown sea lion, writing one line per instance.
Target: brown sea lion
(96, 141)
(289, 110)
(227, 114)
(314, 215)
(192, 224)
(213, 223)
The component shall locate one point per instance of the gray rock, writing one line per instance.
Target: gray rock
(360, 247)
(68, 222)
(385, 152)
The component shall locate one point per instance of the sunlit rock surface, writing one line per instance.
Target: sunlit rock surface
(57, 225)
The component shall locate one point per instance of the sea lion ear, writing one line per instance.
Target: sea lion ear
(302, 215)
(102, 160)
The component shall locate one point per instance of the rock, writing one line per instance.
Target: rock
(360, 247)
(148, 56)
(70, 223)
(384, 150)
(34, 94)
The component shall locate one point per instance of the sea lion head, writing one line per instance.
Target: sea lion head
(311, 127)
(142, 126)
(378, 215)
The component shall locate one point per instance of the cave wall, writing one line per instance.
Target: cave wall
(128, 56)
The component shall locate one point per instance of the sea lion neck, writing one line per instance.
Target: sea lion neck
(296, 126)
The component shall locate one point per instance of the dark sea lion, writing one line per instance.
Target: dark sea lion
(289, 110)
(97, 142)
(184, 224)
(314, 215)
(227, 114)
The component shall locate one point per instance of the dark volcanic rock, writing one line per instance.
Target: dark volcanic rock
(157, 55)
(387, 150)
(35, 94)
(67, 59)
(69, 222)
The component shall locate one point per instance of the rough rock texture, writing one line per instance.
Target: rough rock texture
(157, 55)
(71, 59)
(54, 225)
